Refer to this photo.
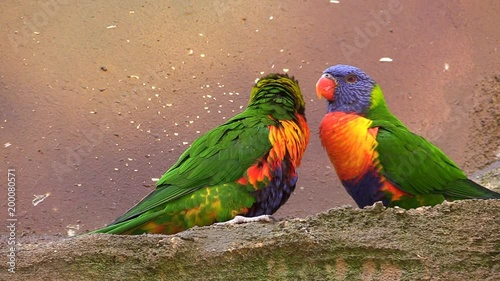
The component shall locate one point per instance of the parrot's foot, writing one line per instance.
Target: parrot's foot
(242, 219)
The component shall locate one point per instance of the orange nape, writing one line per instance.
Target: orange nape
(325, 87)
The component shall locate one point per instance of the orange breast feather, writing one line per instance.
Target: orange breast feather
(350, 143)
(289, 139)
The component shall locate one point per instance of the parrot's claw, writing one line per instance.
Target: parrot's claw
(242, 219)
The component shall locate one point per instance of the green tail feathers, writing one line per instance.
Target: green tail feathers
(127, 227)
(467, 189)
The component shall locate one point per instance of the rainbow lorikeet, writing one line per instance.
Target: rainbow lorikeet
(242, 170)
(375, 156)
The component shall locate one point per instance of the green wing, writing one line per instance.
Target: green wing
(417, 166)
(220, 156)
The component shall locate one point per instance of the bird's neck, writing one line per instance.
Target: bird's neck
(378, 109)
(271, 104)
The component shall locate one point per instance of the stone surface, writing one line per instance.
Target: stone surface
(489, 176)
(452, 241)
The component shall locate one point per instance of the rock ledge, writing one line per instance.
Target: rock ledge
(452, 241)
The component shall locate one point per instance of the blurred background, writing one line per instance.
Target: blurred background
(98, 98)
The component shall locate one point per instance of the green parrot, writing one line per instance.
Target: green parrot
(375, 156)
(240, 171)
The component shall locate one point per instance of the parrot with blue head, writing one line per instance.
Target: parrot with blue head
(374, 154)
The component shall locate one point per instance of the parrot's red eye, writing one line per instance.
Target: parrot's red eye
(351, 78)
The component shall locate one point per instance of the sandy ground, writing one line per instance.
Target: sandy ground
(98, 98)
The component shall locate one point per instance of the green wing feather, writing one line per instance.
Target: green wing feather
(220, 156)
(418, 167)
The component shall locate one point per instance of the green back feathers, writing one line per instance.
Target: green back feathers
(219, 156)
(407, 159)
(413, 163)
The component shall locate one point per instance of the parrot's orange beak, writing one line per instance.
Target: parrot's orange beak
(325, 87)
